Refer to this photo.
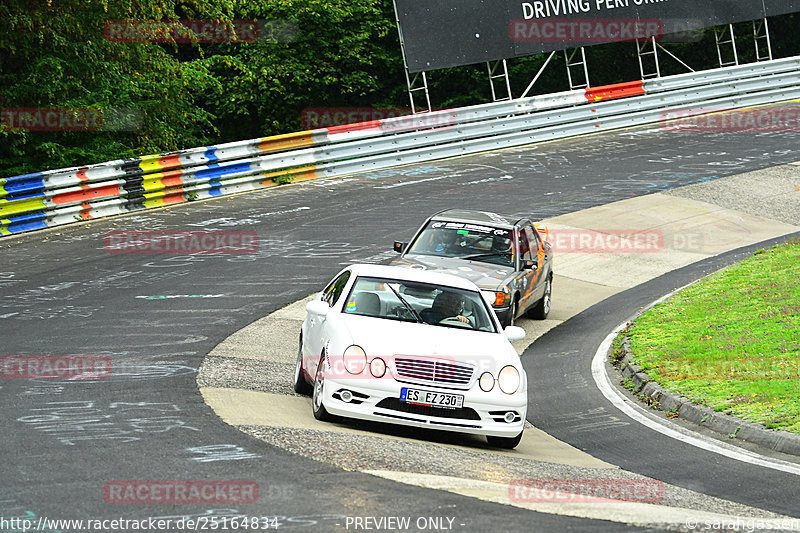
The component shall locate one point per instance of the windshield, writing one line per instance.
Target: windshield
(473, 242)
(408, 301)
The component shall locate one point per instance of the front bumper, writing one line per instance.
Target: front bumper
(503, 314)
(379, 400)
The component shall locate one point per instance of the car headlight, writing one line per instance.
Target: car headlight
(355, 359)
(497, 298)
(377, 367)
(508, 379)
(486, 382)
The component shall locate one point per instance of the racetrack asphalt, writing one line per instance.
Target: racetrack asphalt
(247, 378)
(157, 316)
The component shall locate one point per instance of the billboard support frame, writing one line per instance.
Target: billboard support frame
(413, 84)
(676, 58)
(491, 69)
(718, 38)
(642, 51)
(419, 82)
(571, 62)
(538, 74)
(761, 32)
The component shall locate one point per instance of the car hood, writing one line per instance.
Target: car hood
(484, 275)
(387, 338)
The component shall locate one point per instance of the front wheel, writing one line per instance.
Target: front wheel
(507, 443)
(542, 308)
(301, 386)
(509, 321)
(320, 413)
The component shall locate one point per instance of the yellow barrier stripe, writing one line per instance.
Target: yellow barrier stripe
(296, 174)
(12, 207)
(286, 140)
(153, 183)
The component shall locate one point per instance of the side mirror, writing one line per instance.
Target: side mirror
(529, 265)
(399, 247)
(514, 333)
(318, 307)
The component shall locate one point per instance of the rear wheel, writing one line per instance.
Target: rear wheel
(542, 307)
(506, 443)
(320, 413)
(301, 386)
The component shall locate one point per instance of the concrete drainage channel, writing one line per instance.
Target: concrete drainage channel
(246, 379)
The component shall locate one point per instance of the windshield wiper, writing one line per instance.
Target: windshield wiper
(408, 305)
(481, 256)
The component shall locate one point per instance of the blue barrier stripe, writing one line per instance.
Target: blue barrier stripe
(216, 171)
(15, 189)
(23, 186)
(24, 218)
(211, 153)
(35, 177)
(216, 189)
(23, 197)
(26, 226)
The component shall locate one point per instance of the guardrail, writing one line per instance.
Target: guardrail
(51, 198)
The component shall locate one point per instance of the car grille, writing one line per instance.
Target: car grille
(433, 371)
(395, 404)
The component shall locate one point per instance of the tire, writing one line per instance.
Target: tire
(542, 307)
(320, 413)
(511, 312)
(507, 443)
(301, 386)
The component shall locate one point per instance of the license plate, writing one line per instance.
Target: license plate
(433, 399)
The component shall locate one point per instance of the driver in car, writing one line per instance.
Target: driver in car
(446, 305)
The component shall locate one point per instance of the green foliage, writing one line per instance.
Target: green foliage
(55, 55)
(331, 53)
(730, 341)
(319, 53)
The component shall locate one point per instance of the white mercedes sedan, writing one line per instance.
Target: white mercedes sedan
(412, 347)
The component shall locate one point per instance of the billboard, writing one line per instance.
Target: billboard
(448, 33)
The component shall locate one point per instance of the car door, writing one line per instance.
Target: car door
(530, 250)
(315, 339)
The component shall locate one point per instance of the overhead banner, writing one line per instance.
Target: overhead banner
(448, 33)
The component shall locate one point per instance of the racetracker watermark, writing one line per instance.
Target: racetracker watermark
(585, 490)
(742, 524)
(584, 30)
(386, 118)
(740, 120)
(180, 492)
(70, 119)
(181, 242)
(72, 367)
(614, 241)
(200, 31)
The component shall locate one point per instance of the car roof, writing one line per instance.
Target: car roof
(479, 217)
(412, 274)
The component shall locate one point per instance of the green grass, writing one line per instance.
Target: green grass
(732, 341)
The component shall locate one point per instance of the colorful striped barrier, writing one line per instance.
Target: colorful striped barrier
(56, 197)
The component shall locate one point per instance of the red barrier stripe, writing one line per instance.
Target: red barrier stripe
(172, 178)
(86, 194)
(170, 161)
(618, 90)
(372, 124)
(175, 197)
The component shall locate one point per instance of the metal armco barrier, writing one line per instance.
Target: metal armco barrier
(52, 198)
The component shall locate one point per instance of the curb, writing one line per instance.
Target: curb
(657, 397)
